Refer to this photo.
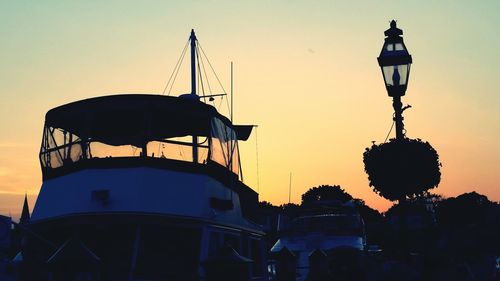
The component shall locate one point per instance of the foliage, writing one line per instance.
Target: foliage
(267, 206)
(467, 209)
(401, 168)
(426, 196)
(410, 208)
(291, 210)
(325, 193)
(471, 225)
(368, 214)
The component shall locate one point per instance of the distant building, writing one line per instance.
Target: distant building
(5, 232)
(25, 214)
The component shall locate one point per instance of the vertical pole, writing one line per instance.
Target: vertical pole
(257, 157)
(290, 189)
(398, 116)
(192, 38)
(231, 92)
(193, 88)
(398, 119)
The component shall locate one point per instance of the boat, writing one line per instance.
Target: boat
(143, 187)
(329, 234)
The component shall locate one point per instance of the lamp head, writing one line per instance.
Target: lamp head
(395, 61)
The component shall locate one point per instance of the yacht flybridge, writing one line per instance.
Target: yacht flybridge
(141, 187)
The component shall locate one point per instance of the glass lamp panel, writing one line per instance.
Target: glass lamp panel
(407, 73)
(396, 75)
(399, 47)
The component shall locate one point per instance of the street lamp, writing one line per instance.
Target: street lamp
(395, 61)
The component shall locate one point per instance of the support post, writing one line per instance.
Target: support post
(398, 116)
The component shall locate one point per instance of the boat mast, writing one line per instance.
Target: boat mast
(192, 38)
(231, 92)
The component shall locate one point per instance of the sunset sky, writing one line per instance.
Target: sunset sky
(304, 71)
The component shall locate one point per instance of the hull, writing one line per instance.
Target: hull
(137, 223)
(133, 247)
(134, 190)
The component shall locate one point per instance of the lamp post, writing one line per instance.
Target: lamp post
(395, 61)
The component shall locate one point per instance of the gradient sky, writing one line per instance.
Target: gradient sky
(305, 72)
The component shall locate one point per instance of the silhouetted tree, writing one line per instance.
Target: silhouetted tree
(291, 210)
(412, 208)
(325, 192)
(267, 206)
(467, 209)
(368, 214)
(374, 222)
(470, 224)
(401, 168)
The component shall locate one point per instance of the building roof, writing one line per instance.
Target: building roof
(25, 214)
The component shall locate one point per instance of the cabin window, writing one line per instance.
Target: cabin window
(59, 147)
(224, 146)
(102, 150)
(245, 246)
(179, 148)
(233, 241)
(332, 224)
(214, 243)
(256, 256)
(219, 143)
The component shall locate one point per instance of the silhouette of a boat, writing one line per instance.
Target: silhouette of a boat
(142, 187)
(329, 234)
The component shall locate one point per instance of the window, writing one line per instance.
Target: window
(233, 241)
(59, 147)
(214, 244)
(256, 255)
(224, 146)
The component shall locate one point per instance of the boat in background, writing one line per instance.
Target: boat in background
(142, 187)
(329, 234)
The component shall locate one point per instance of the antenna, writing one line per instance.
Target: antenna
(232, 92)
(257, 156)
(290, 189)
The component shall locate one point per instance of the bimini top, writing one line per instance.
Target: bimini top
(129, 118)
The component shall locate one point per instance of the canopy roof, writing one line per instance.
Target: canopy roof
(135, 118)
